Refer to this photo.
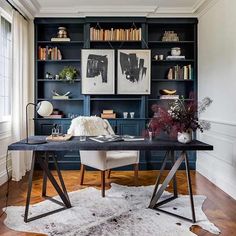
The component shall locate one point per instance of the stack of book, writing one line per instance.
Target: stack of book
(175, 58)
(180, 73)
(60, 97)
(169, 97)
(115, 34)
(108, 114)
(49, 53)
(60, 39)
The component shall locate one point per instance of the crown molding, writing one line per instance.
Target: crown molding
(204, 7)
(28, 7)
(32, 9)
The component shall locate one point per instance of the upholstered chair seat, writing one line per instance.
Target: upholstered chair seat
(101, 160)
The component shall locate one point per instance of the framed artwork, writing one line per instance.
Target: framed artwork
(98, 74)
(134, 71)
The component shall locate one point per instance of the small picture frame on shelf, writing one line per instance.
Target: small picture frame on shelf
(134, 71)
(98, 73)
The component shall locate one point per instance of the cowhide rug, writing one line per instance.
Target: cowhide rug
(122, 212)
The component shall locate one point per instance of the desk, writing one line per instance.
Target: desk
(75, 145)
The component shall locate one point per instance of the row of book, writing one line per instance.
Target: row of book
(115, 34)
(180, 72)
(49, 53)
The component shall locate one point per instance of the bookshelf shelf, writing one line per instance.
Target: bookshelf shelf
(173, 61)
(57, 81)
(158, 99)
(173, 80)
(168, 42)
(61, 100)
(60, 42)
(115, 99)
(60, 61)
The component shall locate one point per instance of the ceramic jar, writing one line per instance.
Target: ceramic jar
(175, 51)
(184, 137)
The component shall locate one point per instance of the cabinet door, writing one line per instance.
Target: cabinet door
(44, 127)
(130, 127)
(113, 125)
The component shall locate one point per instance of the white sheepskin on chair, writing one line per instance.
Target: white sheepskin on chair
(89, 126)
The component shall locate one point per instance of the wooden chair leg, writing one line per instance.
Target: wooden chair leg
(136, 174)
(109, 174)
(82, 169)
(103, 173)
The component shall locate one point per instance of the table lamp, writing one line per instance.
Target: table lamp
(43, 108)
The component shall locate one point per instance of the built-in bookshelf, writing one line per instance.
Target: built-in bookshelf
(113, 33)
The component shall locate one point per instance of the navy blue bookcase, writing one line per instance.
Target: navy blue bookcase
(79, 33)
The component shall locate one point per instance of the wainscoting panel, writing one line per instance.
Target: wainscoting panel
(219, 166)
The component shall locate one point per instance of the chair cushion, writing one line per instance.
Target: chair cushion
(121, 158)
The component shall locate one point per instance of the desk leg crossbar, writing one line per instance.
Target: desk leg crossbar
(157, 193)
(47, 175)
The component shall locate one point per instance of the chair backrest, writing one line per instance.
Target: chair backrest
(90, 126)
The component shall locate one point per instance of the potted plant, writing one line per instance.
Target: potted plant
(180, 119)
(69, 73)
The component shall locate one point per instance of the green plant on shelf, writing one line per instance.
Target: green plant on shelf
(69, 74)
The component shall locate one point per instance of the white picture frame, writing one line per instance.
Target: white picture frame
(98, 72)
(134, 71)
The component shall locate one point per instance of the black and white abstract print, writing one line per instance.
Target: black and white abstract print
(97, 66)
(98, 71)
(132, 67)
(133, 72)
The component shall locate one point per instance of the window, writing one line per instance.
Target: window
(5, 69)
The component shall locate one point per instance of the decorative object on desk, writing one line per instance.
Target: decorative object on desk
(55, 130)
(134, 71)
(180, 119)
(125, 115)
(56, 95)
(175, 51)
(59, 138)
(57, 77)
(108, 114)
(167, 91)
(43, 108)
(69, 73)
(132, 115)
(170, 36)
(98, 73)
(122, 208)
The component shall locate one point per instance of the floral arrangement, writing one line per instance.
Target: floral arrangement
(180, 116)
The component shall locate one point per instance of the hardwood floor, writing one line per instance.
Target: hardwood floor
(219, 207)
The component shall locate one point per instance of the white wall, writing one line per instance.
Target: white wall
(217, 79)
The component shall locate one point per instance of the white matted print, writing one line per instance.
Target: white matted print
(134, 71)
(98, 75)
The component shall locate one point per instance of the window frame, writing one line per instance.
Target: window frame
(5, 125)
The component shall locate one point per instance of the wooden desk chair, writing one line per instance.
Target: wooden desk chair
(101, 160)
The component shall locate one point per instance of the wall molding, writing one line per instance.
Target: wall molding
(222, 136)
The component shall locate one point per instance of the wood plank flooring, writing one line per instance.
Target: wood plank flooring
(219, 207)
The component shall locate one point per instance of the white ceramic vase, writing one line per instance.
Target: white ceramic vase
(184, 137)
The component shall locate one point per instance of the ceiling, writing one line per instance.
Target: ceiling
(81, 8)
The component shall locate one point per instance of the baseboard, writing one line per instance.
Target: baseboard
(3, 172)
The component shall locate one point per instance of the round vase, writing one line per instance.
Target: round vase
(184, 137)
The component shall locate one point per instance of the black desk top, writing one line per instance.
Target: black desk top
(75, 145)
